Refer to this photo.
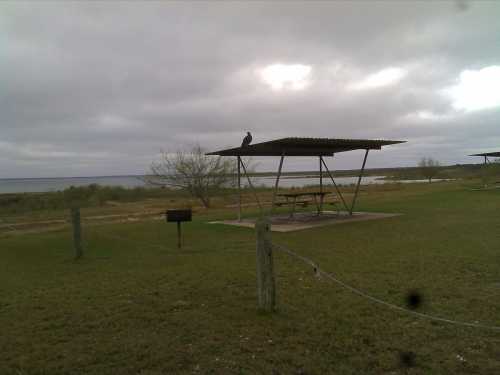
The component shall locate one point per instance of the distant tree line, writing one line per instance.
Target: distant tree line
(83, 196)
(430, 168)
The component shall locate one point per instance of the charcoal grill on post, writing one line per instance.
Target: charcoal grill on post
(178, 216)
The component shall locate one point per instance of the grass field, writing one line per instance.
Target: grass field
(136, 305)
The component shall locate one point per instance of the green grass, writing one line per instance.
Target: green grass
(136, 305)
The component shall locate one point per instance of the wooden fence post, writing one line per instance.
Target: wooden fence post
(265, 266)
(77, 232)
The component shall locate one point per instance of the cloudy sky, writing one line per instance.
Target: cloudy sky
(100, 88)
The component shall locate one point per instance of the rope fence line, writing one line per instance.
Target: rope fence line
(319, 271)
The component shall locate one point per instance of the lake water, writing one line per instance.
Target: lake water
(37, 185)
(34, 185)
(304, 181)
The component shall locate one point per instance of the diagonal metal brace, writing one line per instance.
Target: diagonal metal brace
(359, 182)
(335, 184)
(250, 184)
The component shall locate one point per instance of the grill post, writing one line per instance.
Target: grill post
(178, 216)
(179, 242)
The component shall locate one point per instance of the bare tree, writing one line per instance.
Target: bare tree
(201, 175)
(428, 168)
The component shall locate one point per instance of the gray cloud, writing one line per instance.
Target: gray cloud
(99, 88)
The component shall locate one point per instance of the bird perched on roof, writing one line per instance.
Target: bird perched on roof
(247, 140)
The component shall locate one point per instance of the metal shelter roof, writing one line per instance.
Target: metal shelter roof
(496, 153)
(294, 146)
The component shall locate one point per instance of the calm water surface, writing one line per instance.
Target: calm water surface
(35, 185)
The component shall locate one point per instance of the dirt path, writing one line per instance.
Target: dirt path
(58, 224)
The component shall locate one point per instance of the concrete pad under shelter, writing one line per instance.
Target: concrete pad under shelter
(307, 220)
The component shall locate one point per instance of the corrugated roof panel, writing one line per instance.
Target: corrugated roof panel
(496, 153)
(294, 146)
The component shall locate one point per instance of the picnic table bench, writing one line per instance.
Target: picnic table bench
(317, 197)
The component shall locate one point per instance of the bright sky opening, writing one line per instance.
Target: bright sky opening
(289, 77)
(385, 77)
(477, 89)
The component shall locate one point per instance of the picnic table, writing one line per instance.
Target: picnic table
(292, 200)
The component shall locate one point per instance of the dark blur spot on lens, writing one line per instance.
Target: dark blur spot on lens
(407, 359)
(414, 300)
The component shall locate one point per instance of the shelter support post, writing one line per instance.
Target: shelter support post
(359, 182)
(251, 185)
(320, 175)
(334, 184)
(277, 182)
(239, 188)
